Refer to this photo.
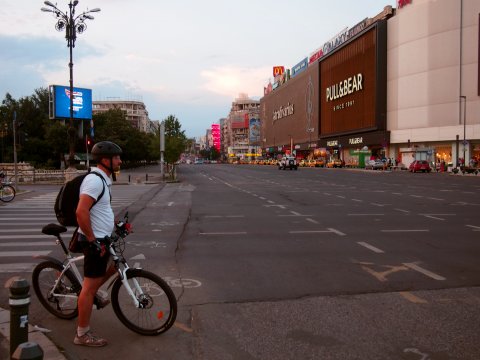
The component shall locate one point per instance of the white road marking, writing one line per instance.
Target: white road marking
(405, 230)
(365, 214)
(138, 257)
(397, 193)
(32, 243)
(357, 200)
(261, 197)
(170, 203)
(271, 202)
(370, 247)
(377, 204)
(20, 230)
(280, 206)
(7, 237)
(336, 232)
(437, 199)
(17, 267)
(309, 231)
(417, 196)
(294, 213)
(224, 233)
(340, 196)
(235, 216)
(434, 217)
(312, 221)
(475, 228)
(24, 253)
(425, 272)
(405, 211)
(327, 194)
(46, 219)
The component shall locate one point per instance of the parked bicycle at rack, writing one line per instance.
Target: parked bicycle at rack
(142, 301)
(7, 191)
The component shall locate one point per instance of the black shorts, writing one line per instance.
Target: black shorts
(95, 266)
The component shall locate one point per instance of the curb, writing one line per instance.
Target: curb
(50, 350)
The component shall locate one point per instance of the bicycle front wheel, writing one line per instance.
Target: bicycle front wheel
(57, 294)
(157, 306)
(7, 193)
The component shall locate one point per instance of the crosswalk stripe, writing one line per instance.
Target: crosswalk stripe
(6, 237)
(24, 253)
(47, 219)
(32, 243)
(17, 267)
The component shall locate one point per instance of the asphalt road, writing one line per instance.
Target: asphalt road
(307, 264)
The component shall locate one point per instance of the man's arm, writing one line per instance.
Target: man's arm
(83, 215)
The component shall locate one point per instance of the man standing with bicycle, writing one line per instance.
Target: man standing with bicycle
(96, 220)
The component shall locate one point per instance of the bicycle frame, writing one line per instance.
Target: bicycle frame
(120, 264)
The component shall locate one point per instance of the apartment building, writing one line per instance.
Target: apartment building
(238, 127)
(135, 111)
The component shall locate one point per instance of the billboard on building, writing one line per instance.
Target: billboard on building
(301, 66)
(254, 131)
(60, 102)
(353, 86)
(291, 111)
(216, 136)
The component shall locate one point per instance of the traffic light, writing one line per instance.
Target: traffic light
(89, 143)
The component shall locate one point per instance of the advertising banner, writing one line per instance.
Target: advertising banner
(216, 136)
(82, 102)
(301, 66)
(254, 131)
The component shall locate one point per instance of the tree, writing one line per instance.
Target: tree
(175, 139)
(57, 141)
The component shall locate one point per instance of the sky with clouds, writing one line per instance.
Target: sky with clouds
(189, 58)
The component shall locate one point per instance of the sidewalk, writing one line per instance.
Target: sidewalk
(50, 351)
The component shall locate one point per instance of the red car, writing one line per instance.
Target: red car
(420, 165)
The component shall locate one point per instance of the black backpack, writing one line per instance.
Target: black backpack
(68, 197)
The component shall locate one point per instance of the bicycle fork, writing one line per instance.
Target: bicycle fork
(136, 291)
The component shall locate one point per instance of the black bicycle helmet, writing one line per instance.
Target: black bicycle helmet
(105, 149)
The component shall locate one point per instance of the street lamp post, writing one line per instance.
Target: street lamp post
(464, 127)
(310, 131)
(72, 25)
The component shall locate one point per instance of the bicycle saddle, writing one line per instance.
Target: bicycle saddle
(53, 229)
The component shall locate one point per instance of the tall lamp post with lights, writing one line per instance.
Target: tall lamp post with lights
(72, 25)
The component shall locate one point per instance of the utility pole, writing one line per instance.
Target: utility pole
(15, 148)
(162, 147)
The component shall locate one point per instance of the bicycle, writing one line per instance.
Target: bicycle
(7, 191)
(141, 300)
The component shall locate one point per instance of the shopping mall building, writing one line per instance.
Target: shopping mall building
(404, 84)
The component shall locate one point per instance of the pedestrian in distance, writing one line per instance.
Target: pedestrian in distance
(96, 220)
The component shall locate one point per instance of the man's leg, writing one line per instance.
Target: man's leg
(85, 300)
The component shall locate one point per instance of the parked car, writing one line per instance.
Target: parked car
(420, 165)
(375, 164)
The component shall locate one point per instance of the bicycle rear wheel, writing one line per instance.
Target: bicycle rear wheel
(157, 308)
(7, 193)
(62, 301)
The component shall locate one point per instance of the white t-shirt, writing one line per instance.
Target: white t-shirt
(101, 214)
